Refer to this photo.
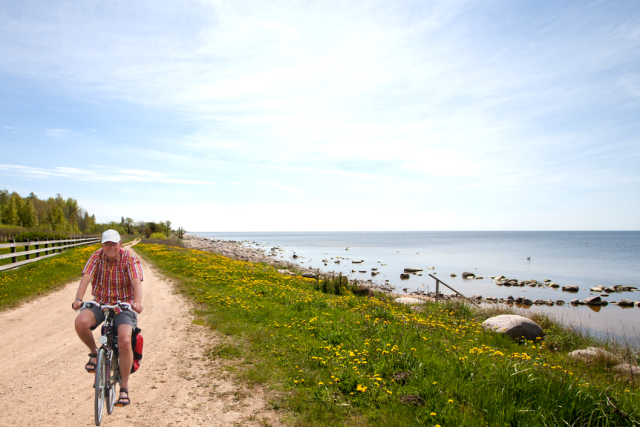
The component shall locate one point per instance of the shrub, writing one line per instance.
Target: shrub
(158, 236)
(35, 235)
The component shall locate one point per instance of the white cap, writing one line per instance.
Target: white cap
(110, 236)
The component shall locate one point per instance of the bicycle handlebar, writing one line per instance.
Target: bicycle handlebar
(124, 305)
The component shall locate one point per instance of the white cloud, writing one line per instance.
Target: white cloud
(55, 132)
(101, 175)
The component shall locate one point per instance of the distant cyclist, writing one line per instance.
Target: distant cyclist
(115, 275)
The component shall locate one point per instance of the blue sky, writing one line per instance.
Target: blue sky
(335, 115)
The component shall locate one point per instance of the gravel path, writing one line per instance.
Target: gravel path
(43, 381)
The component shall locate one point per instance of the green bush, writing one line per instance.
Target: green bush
(35, 235)
(160, 236)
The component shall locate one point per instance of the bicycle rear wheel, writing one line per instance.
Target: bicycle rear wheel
(100, 385)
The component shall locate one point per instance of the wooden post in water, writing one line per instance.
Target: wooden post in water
(437, 289)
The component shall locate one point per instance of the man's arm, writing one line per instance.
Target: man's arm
(137, 295)
(86, 279)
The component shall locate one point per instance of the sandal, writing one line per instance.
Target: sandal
(91, 366)
(123, 401)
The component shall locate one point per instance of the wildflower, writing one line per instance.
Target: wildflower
(433, 414)
(450, 400)
(361, 388)
(320, 383)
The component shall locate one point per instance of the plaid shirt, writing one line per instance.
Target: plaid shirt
(113, 283)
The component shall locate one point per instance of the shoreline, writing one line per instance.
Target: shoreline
(487, 293)
(238, 250)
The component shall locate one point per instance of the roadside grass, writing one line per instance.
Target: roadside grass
(344, 360)
(39, 278)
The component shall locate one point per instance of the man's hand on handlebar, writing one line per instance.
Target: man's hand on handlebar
(137, 307)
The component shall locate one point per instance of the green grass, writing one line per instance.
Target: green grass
(344, 360)
(38, 278)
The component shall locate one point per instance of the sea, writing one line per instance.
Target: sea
(582, 258)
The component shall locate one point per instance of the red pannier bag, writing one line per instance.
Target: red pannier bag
(136, 344)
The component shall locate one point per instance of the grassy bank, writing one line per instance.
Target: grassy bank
(38, 278)
(348, 360)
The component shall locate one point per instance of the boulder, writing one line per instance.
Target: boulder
(549, 302)
(597, 289)
(625, 368)
(625, 303)
(412, 270)
(363, 290)
(593, 354)
(466, 275)
(604, 302)
(404, 275)
(453, 275)
(571, 288)
(409, 301)
(309, 275)
(559, 302)
(547, 280)
(610, 290)
(526, 301)
(514, 326)
(593, 300)
(477, 297)
(575, 301)
(554, 285)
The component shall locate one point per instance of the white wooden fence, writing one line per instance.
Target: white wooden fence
(46, 246)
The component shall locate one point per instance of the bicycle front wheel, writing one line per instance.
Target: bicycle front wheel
(112, 376)
(100, 384)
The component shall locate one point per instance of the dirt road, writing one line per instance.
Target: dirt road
(43, 381)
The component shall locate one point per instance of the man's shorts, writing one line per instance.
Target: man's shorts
(127, 317)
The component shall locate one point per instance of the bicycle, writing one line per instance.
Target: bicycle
(107, 368)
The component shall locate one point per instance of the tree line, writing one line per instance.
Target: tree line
(60, 215)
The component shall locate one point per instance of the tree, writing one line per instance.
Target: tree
(28, 216)
(10, 213)
(56, 218)
(128, 222)
(181, 232)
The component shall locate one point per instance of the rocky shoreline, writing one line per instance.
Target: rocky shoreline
(242, 251)
(238, 250)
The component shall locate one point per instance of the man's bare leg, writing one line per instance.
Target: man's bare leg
(126, 356)
(84, 322)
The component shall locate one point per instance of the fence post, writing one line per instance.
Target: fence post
(38, 247)
(46, 245)
(13, 251)
(26, 248)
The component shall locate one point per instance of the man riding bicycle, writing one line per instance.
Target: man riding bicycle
(116, 276)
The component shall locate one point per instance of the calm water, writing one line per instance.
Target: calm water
(586, 259)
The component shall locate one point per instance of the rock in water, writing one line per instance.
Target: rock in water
(514, 326)
(625, 303)
(466, 274)
(593, 300)
(571, 288)
(412, 270)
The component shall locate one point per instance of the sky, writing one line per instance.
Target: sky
(334, 115)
